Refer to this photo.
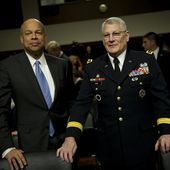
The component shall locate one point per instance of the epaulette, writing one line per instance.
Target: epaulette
(149, 52)
(89, 61)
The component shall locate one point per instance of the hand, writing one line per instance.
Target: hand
(16, 159)
(67, 150)
(163, 144)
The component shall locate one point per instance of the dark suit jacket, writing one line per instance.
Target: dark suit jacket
(17, 80)
(164, 63)
(128, 108)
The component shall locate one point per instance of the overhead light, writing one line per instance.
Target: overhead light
(103, 8)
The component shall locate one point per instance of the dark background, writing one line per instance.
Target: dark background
(11, 16)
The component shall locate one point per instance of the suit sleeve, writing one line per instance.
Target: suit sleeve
(5, 101)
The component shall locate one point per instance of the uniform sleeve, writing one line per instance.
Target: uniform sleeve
(81, 108)
(160, 99)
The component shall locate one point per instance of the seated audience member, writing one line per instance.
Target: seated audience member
(88, 52)
(54, 48)
(77, 72)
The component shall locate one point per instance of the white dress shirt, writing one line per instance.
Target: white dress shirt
(121, 58)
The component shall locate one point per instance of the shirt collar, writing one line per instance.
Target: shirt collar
(156, 52)
(33, 60)
(121, 57)
(61, 53)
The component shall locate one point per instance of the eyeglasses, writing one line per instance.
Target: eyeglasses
(113, 34)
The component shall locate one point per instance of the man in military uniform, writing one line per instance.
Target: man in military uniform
(133, 105)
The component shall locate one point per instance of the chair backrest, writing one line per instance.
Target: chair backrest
(88, 141)
(40, 161)
(165, 161)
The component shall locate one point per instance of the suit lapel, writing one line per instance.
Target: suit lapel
(160, 57)
(28, 73)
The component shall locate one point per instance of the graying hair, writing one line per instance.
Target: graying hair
(53, 44)
(115, 20)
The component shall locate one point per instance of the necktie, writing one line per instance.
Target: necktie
(117, 69)
(116, 62)
(45, 90)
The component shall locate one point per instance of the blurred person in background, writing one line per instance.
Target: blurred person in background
(53, 48)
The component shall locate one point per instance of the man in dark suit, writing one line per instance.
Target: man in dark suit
(152, 44)
(18, 81)
(133, 105)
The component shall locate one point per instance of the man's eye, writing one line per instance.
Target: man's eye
(27, 33)
(106, 35)
(116, 33)
(39, 32)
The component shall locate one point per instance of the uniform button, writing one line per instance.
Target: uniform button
(120, 119)
(118, 98)
(120, 108)
(119, 87)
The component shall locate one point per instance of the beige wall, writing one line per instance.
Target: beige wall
(89, 31)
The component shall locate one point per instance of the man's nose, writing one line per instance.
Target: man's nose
(34, 35)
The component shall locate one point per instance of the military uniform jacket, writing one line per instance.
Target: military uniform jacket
(17, 80)
(131, 109)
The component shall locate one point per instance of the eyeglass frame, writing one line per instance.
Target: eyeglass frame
(114, 34)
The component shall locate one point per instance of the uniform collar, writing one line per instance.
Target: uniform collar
(121, 58)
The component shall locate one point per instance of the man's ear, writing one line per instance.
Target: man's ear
(127, 36)
(21, 39)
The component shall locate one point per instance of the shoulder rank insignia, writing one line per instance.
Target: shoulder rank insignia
(89, 61)
(149, 52)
